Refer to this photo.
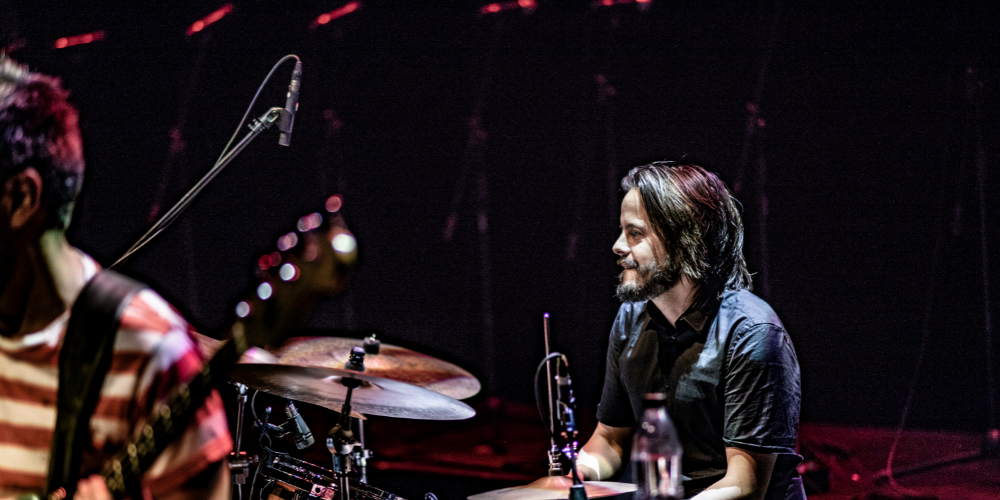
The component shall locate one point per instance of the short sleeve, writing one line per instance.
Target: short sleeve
(176, 360)
(615, 409)
(762, 391)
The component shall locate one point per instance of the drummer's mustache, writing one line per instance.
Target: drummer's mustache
(627, 263)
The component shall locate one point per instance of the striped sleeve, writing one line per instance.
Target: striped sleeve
(151, 325)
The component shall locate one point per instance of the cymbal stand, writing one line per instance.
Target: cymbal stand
(340, 440)
(361, 454)
(239, 463)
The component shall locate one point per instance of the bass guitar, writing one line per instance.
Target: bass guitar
(310, 262)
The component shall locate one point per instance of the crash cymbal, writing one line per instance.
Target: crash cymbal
(555, 488)
(209, 346)
(375, 396)
(391, 362)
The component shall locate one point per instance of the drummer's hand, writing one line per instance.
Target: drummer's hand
(92, 488)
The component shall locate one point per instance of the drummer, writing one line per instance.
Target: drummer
(688, 325)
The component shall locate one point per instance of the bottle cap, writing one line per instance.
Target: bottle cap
(654, 399)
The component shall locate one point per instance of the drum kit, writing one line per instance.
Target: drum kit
(356, 378)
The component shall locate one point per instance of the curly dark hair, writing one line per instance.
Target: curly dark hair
(39, 129)
(699, 222)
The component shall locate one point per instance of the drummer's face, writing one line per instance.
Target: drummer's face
(638, 246)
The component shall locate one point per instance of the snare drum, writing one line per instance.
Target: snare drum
(298, 479)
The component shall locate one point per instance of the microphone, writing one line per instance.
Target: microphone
(287, 118)
(566, 402)
(297, 427)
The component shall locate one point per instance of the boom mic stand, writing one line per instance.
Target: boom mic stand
(259, 125)
(285, 117)
(555, 465)
(989, 447)
(566, 405)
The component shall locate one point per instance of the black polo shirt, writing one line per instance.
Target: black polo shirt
(735, 383)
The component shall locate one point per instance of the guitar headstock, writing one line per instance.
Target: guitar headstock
(311, 261)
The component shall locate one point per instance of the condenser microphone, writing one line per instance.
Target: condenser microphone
(566, 401)
(287, 118)
(301, 434)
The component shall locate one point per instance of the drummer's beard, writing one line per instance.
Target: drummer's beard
(651, 280)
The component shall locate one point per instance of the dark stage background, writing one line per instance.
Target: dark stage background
(864, 142)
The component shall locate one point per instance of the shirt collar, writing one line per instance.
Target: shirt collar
(695, 317)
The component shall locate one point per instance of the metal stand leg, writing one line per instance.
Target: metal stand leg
(239, 464)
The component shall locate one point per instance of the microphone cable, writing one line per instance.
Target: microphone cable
(167, 218)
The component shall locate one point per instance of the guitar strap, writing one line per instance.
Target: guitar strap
(84, 360)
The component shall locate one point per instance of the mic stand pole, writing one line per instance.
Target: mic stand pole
(567, 420)
(577, 491)
(555, 467)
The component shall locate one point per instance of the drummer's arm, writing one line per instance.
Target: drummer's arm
(747, 476)
(602, 456)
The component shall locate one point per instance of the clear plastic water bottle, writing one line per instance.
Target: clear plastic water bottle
(656, 453)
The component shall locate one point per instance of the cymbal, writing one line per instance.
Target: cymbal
(555, 488)
(391, 362)
(376, 395)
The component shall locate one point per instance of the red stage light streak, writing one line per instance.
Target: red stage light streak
(209, 19)
(527, 5)
(642, 4)
(335, 14)
(70, 41)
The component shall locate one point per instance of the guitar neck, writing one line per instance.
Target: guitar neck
(123, 472)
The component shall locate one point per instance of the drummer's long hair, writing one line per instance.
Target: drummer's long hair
(698, 220)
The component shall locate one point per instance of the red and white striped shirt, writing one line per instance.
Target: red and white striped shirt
(153, 353)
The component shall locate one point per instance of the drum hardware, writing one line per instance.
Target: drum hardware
(340, 440)
(562, 408)
(239, 463)
(361, 454)
(555, 462)
(371, 344)
(564, 405)
(566, 409)
(312, 481)
(344, 386)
